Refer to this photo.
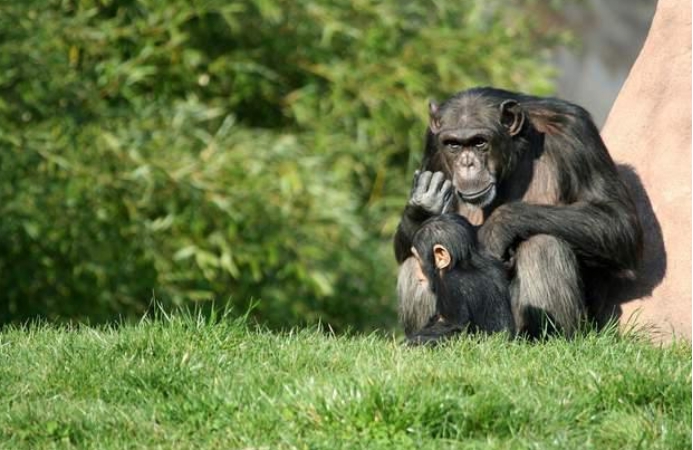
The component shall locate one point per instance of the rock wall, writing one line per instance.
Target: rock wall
(648, 132)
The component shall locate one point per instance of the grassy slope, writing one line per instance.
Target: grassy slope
(184, 383)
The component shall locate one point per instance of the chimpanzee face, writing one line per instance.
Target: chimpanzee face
(441, 261)
(419, 271)
(474, 145)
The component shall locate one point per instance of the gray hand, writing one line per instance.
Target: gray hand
(431, 192)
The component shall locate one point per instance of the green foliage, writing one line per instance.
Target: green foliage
(191, 383)
(221, 150)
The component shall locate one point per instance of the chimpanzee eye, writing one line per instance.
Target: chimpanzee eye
(479, 142)
(452, 144)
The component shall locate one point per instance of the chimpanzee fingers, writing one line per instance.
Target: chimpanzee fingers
(424, 179)
(422, 182)
(437, 179)
(417, 173)
(446, 188)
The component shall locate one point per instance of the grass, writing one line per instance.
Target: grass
(187, 382)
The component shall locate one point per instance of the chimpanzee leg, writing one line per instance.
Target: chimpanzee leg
(417, 304)
(604, 294)
(547, 293)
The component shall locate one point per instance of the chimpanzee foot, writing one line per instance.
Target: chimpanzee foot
(436, 331)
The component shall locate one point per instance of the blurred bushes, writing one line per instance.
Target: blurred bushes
(254, 149)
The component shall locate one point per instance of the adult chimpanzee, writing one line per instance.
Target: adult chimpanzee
(535, 174)
(471, 288)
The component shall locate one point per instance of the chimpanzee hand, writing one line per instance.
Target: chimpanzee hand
(498, 233)
(430, 192)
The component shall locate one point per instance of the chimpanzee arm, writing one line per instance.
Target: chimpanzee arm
(491, 310)
(477, 297)
(430, 193)
(411, 221)
(602, 234)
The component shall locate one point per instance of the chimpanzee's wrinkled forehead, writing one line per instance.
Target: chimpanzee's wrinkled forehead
(469, 110)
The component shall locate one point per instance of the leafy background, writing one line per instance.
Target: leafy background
(235, 152)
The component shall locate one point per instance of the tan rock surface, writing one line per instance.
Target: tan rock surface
(649, 129)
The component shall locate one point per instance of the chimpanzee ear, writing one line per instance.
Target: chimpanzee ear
(512, 116)
(434, 117)
(442, 256)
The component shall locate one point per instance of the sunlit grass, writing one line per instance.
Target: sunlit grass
(188, 382)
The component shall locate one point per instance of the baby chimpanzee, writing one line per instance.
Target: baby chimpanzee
(471, 288)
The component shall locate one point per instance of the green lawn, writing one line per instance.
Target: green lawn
(188, 383)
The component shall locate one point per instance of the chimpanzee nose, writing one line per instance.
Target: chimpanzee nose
(466, 160)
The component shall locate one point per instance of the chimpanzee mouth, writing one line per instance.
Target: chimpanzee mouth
(482, 197)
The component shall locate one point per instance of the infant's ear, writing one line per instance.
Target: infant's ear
(442, 256)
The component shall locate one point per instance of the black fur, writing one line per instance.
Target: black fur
(554, 178)
(472, 292)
